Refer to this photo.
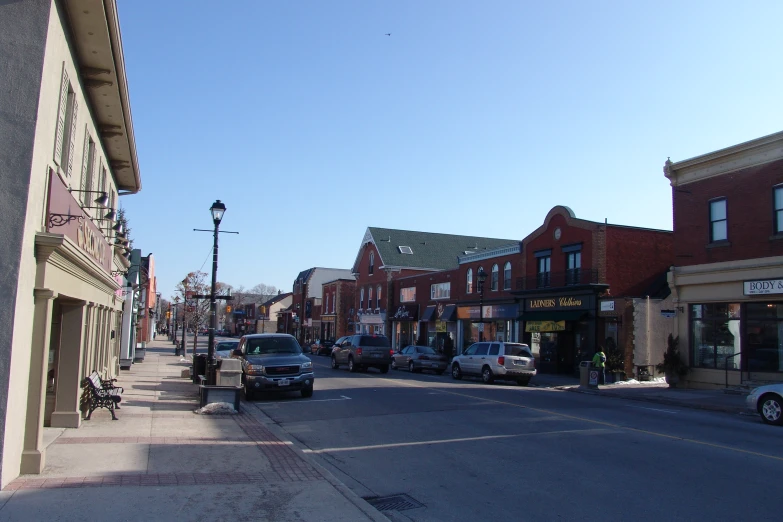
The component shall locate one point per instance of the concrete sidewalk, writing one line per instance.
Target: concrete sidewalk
(161, 461)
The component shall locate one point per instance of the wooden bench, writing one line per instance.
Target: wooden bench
(103, 394)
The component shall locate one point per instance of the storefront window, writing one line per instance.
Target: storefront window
(715, 335)
(764, 326)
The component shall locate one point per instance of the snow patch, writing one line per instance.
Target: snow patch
(654, 380)
(217, 408)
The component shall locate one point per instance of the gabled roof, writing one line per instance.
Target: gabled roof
(428, 250)
(315, 278)
(278, 297)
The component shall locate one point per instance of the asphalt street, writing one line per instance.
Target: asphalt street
(462, 450)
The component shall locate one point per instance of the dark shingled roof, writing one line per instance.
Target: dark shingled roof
(430, 250)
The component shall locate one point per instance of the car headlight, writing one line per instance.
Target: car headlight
(308, 365)
(254, 369)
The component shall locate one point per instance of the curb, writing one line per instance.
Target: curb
(657, 400)
(345, 491)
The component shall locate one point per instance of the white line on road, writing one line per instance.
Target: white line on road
(654, 409)
(342, 398)
(447, 441)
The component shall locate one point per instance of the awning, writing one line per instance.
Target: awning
(554, 315)
(428, 313)
(449, 313)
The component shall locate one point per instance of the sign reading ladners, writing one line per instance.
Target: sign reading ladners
(766, 286)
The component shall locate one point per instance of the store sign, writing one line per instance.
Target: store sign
(404, 313)
(554, 302)
(668, 313)
(607, 306)
(545, 326)
(509, 311)
(763, 287)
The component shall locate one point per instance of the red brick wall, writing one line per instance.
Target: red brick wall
(634, 257)
(749, 210)
(569, 235)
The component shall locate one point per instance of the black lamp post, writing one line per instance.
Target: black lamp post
(176, 324)
(217, 210)
(481, 276)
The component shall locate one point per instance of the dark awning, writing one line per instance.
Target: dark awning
(554, 315)
(428, 313)
(449, 313)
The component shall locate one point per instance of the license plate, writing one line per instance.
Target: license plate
(284, 382)
(375, 355)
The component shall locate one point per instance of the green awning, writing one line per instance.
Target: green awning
(554, 315)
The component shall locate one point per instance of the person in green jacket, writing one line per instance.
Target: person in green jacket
(599, 361)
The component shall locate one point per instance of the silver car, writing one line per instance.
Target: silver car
(496, 360)
(767, 401)
(418, 358)
(363, 351)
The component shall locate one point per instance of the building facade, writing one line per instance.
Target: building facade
(337, 308)
(728, 275)
(72, 155)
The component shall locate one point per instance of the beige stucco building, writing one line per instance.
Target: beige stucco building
(67, 152)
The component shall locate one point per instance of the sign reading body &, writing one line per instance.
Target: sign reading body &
(763, 287)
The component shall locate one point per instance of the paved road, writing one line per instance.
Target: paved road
(467, 451)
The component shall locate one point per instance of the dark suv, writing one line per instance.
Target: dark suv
(363, 351)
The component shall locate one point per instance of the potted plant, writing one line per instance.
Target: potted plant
(615, 360)
(673, 367)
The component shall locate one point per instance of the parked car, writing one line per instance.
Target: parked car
(418, 358)
(496, 360)
(322, 347)
(274, 362)
(225, 349)
(363, 351)
(767, 401)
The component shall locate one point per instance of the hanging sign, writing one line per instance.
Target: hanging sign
(545, 326)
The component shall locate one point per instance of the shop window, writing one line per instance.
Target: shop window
(544, 271)
(764, 346)
(495, 275)
(715, 335)
(507, 276)
(718, 221)
(573, 268)
(778, 209)
(469, 281)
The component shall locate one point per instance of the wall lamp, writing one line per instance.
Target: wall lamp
(110, 215)
(101, 200)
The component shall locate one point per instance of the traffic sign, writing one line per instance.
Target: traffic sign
(593, 378)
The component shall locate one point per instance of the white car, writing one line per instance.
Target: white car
(496, 360)
(767, 401)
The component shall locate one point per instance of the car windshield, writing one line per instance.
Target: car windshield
(374, 341)
(425, 349)
(521, 350)
(267, 345)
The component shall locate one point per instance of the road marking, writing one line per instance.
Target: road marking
(449, 441)
(607, 424)
(342, 398)
(654, 409)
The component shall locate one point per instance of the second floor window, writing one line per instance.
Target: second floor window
(573, 268)
(369, 297)
(361, 299)
(507, 276)
(440, 291)
(408, 295)
(334, 298)
(378, 297)
(495, 275)
(372, 262)
(779, 210)
(544, 269)
(718, 222)
(469, 281)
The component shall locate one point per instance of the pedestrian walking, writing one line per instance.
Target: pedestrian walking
(599, 362)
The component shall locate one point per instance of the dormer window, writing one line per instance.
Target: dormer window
(405, 250)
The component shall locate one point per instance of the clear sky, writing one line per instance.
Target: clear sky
(473, 117)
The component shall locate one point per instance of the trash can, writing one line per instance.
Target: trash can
(229, 373)
(584, 373)
(199, 366)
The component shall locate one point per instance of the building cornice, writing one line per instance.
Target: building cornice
(731, 159)
(488, 254)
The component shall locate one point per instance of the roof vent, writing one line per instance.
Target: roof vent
(405, 250)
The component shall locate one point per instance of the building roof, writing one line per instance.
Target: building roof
(315, 278)
(278, 297)
(425, 250)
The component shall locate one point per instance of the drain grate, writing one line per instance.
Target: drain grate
(393, 502)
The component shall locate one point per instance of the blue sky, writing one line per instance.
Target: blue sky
(472, 118)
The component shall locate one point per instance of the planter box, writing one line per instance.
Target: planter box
(212, 394)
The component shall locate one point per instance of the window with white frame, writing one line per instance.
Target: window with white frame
(378, 297)
(440, 291)
(361, 299)
(88, 165)
(778, 195)
(334, 298)
(369, 297)
(507, 276)
(718, 221)
(65, 134)
(495, 275)
(408, 295)
(469, 281)
(326, 308)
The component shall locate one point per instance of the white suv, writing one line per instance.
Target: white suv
(496, 360)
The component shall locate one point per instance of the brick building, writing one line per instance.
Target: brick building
(338, 308)
(728, 273)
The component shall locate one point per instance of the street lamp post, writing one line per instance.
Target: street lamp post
(481, 276)
(217, 210)
(176, 302)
